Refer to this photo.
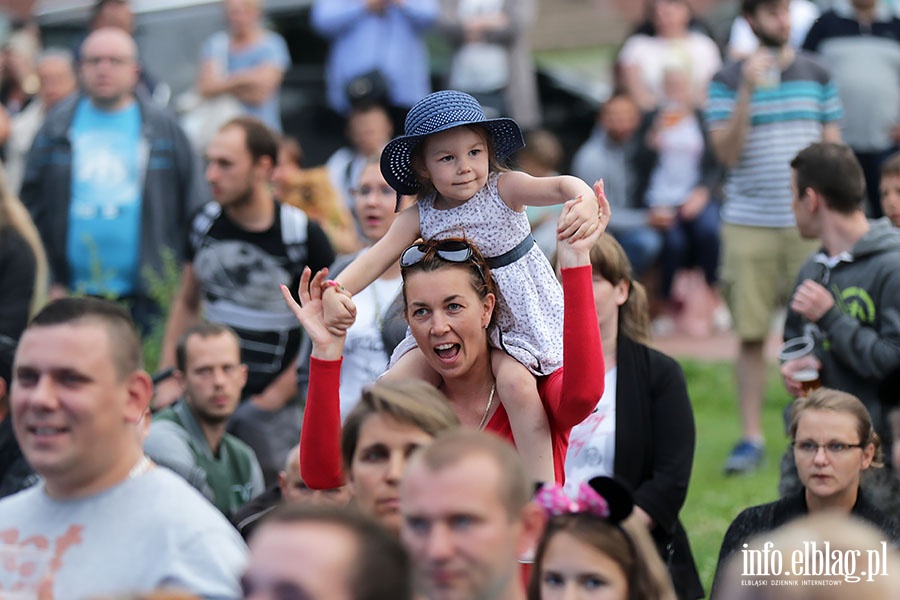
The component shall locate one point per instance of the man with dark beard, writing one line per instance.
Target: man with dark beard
(242, 246)
(189, 437)
(761, 111)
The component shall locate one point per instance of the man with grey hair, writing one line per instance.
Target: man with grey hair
(56, 74)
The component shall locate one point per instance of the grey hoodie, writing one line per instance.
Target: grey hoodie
(858, 339)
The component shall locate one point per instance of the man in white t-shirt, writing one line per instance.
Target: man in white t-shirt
(106, 519)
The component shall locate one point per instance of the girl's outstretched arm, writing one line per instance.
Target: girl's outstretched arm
(369, 265)
(518, 189)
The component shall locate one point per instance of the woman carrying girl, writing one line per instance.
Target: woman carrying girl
(450, 158)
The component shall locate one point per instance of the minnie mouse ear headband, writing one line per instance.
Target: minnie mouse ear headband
(438, 112)
(603, 497)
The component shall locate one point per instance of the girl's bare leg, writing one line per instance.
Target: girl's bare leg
(517, 390)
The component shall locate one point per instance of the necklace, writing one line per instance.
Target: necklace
(140, 467)
(487, 409)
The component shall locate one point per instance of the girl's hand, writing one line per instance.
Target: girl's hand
(581, 218)
(339, 310)
(604, 210)
(327, 345)
(577, 252)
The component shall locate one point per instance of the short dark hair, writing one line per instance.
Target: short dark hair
(513, 486)
(291, 146)
(749, 7)
(833, 171)
(383, 569)
(259, 139)
(203, 330)
(125, 342)
(364, 108)
(7, 355)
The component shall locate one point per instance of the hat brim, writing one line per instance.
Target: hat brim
(396, 158)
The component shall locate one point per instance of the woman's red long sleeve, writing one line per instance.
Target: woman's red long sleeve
(320, 438)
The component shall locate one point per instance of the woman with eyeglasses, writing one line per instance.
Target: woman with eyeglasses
(833, 442)
(379, 324)
(449, 303)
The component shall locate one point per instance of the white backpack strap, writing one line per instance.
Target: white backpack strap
(202, 222)
(294, 230)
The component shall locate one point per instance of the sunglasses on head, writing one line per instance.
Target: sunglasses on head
(453, 251)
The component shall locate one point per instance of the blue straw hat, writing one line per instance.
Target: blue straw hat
(438, 112)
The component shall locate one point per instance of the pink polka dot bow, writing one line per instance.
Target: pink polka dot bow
(555, 501)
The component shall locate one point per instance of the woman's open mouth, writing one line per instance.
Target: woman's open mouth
(447, 351)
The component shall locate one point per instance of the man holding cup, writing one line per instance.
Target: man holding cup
(846, 300)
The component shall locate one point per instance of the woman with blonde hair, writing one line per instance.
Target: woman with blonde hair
(833, 442)
(23, 264)
(390, 421)
(310, 190)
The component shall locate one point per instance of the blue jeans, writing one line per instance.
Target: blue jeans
(871, 166)
(693, 243)
(642, 245)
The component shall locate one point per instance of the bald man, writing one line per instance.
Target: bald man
(109, 181)
(290, 489)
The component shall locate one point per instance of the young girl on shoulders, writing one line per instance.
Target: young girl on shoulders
(450, 158)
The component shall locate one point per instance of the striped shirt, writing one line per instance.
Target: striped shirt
(784, 120)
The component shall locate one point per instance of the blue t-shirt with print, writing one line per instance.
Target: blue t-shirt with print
(105, 211)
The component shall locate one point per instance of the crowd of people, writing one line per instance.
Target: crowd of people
(426, 368)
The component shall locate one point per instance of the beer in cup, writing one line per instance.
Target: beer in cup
(807, 374)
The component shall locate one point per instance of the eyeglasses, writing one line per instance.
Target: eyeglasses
(115, 61)
(453, 251)
(368, 190)
(278, 589)
(811, 448)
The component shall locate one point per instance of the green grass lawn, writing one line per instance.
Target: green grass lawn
(713, 499)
